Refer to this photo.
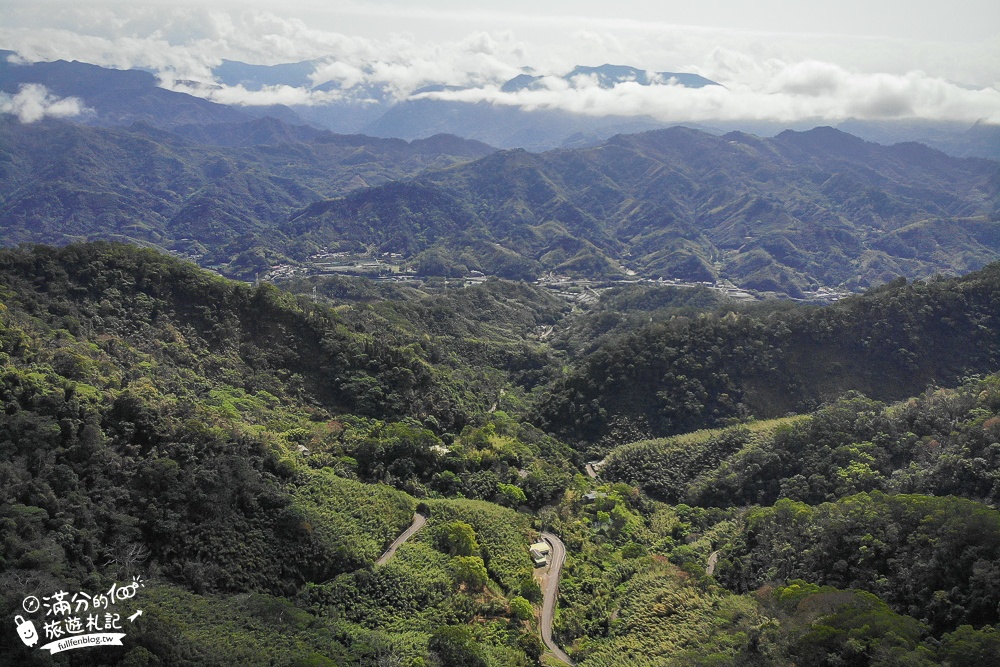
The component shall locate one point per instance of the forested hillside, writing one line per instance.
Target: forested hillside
(559, 364)
(767, 360)
(786, 214)
(212, 191)
(165, 422)
(251, 452)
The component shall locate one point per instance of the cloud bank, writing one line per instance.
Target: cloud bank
(791, 93)
(33, 102)
(780, 77)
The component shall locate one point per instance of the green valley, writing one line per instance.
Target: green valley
(686, 359)
(250, 451)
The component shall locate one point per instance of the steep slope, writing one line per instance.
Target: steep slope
(164, 423)
(783, 215)
(689, 373)
(115, 97)
(217, 189)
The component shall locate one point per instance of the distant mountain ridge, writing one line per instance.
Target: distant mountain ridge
(255, 77)
(510, 126)
(608, 76)
(214, 191)
(373, 110)
(298, 74)
(788, 214)
(542, 129)
(116, 97)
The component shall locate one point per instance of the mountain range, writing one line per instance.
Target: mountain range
(194, 190)
(373, 109)
(114, 97)
(788, 214)
(784, 215)
(750, 483)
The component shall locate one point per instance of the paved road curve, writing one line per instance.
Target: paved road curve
(418, 522)
(558, 555)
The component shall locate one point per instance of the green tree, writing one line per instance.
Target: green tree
(470, 571)
(458, 539)
(521, 608)
(968, 647)
(531, 645)
(511, 495)
(455, 647)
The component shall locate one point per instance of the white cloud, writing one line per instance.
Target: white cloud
(402, 48)
(345, 74)
(801, 91)
(266, 96)
(192, 41)
(810, 78)
(33, 102)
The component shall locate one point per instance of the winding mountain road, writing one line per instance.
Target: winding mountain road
(418, 522)
(558, 556)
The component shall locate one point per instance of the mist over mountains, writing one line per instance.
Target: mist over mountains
(489, 315)
(115, 97)
(788, 215)
(371, 109)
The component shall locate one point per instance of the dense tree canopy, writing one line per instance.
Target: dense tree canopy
(251, 453)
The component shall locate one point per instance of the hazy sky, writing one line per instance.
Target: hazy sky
(777, 58)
